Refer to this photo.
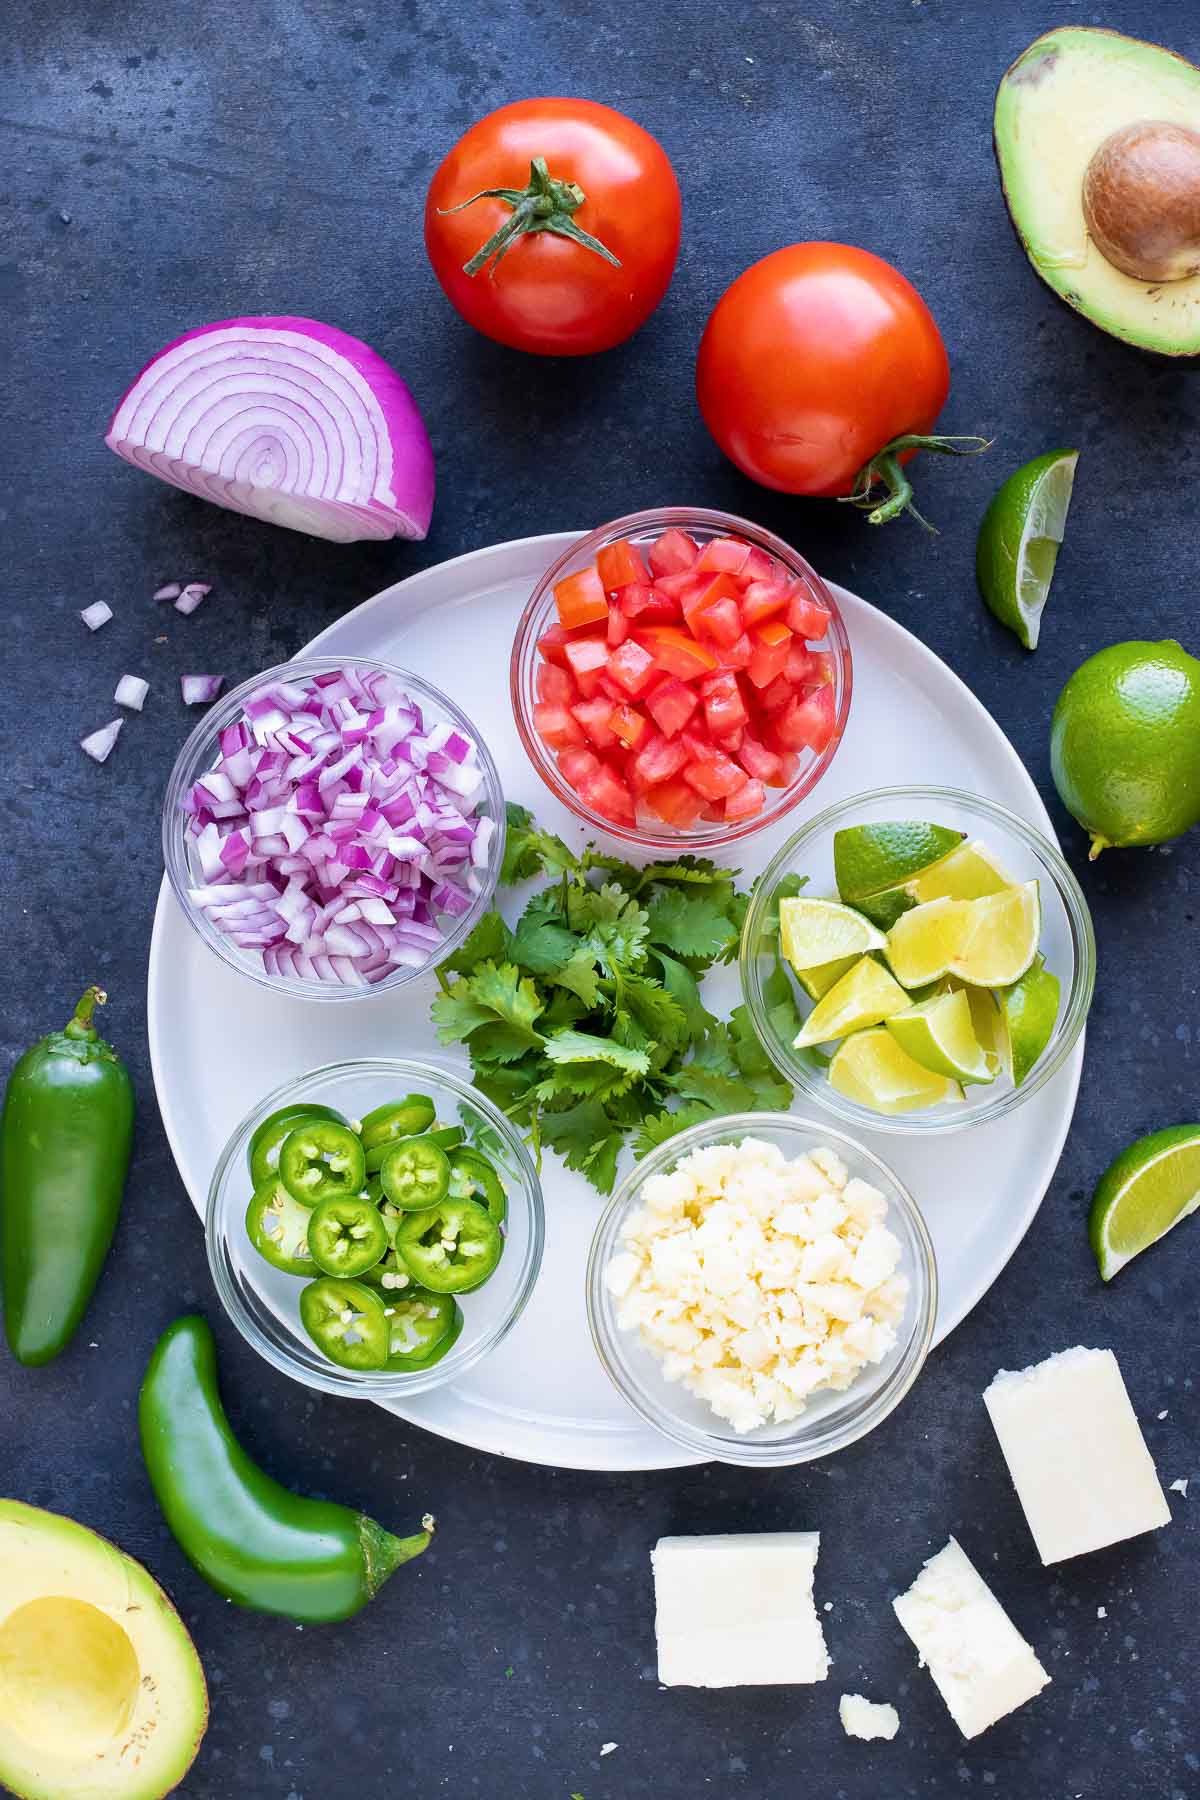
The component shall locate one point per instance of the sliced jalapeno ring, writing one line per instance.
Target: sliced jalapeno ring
(277, 1226)
(415, 1173)
(262, 1152)
(321, 1160)
(346, 1237)
(447, 1137)
(397, 1119)
(346, 1321)
(450, 1248)
(472, 1177)
(420, 1323)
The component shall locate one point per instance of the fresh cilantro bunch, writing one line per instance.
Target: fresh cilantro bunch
(584, 1022)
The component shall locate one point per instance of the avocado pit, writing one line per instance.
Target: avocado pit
(1141, 200)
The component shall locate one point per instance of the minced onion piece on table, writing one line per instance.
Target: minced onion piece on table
(98, 744)
(170, 590)
(96, 615)
(131, 691)
(191, 596)
(336, 829)
(198, 690)
(288, 420)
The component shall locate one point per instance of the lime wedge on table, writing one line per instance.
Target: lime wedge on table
(1028, 1011)
(864, 995)
(1019, 539)
(940, 1036)
(814, 932)
(873, 863)
(870, 1067)
(989, 942)
(1150, 1187)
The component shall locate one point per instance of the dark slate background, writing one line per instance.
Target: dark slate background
(166, 164)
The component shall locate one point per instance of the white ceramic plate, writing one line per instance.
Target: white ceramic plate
(218, 1041)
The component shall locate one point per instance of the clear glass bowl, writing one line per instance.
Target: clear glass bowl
(831, 1420)
(643, 528)
(199, 754)
(263, 1302)
(1068, 945)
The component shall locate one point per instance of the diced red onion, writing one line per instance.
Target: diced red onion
(301, 859)
(198, 690)
(288, 420)
(96, 615)
(170, 590)
(98, 744)
(131, 691)
(191, 597)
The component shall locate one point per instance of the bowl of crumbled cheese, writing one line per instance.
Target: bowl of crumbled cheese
(762, 1289)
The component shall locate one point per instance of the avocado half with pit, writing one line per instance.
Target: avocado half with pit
(1098, 141)
(101, 1689)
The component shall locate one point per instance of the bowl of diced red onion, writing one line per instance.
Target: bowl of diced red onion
(334, 827)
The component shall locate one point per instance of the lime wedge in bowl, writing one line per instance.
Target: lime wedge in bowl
(1148, 1189)
(870, 1067)
(1002, 936)
(969, 873)
(1019, 539)
(814, 932)
(940, 1035)
(1028, 1011)
(864, 996)
(873, 865)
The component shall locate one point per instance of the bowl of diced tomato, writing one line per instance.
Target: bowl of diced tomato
(681, 675)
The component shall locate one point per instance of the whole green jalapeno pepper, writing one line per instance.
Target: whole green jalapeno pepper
(64, 1154)
(249, 1537)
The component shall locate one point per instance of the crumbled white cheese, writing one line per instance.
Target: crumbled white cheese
(1180, 1486)
(862, 1718)
(757, 1281)
(1102, 1612)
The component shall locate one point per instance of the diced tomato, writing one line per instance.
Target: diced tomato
(618, 564)
(821, 666)
(630, 726)
(575, 764)
(758, 566)
(553, 644)
(586, 655)
(724, 708)
(671, 704)
(556, 727)
(789, 768)
(580, 599)
(676, 652)
(555, 684)
(604, 684)
(675, 802)
(808, 723)
(658, 760)
(763, 599)
(730, 741)
(632, 667)
(706, 594)
(770, 641)
(715, 775)
(747, 802)
(607, 794)
(773, 699)
(722, 623)
(806, 616)
(648, 605)
(738, 654)
(723, 554)
(673, 552)
(759, 763)
(686, 582)
(618, 627)
(594, 716)
(800, 662)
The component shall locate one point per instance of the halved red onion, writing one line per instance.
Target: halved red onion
(98, 744)
(335, 832)
(131, 691)
(96, 615)
(288, 420)
(198, 690)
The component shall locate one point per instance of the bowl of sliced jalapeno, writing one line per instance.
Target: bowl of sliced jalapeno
(375, 1228)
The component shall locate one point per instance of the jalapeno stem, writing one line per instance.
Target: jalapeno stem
(79, 1025)
(383, 1554)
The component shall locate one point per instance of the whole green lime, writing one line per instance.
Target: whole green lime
(1125, 744)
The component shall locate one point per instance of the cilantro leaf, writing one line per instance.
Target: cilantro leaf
(611, 925)
(690, 925)
(681, 985)
(494, 994)
(656, 1128)
(660, 1016)
(542, 945)
(489, 939)
(585, 1139)
(529, 851)
(690, 870)
(584, 1046)
(623, 873)
(723, 1093)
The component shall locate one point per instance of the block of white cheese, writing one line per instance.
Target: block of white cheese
(737, 1610)
(862, 1718)
(1076, 1453)
(981, 1664)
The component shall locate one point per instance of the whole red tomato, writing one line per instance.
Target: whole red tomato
(814, 362)
(578, 210)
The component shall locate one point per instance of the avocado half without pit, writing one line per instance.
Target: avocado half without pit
(1098, 140)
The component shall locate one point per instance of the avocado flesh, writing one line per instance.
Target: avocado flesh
(101, 1690)
(1054, 108)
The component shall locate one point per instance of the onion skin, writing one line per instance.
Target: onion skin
(285, 419)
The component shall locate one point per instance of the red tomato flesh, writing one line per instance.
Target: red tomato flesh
(618, 564)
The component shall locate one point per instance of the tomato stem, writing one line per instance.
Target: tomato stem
(547, 204)
(885, 468)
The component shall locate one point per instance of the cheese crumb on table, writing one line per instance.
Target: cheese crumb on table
(1076, 1453)
(758, 1281)
(1180, 1486)
(736, 1610)
(862, 1718)
(980, 1663)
